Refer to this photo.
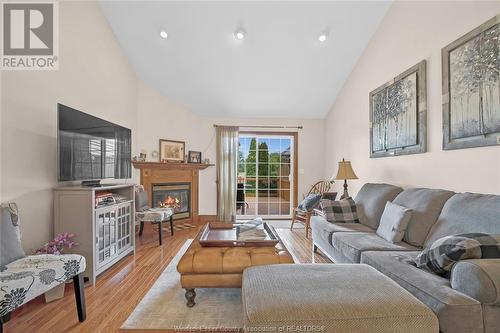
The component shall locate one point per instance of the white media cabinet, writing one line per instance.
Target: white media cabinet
(104, 234)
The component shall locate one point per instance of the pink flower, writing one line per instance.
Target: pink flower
(58, 244)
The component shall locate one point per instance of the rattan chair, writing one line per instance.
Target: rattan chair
(304, 216)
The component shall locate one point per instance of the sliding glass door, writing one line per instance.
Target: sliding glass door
(265, 175)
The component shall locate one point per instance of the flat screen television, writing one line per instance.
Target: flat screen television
(90, 148)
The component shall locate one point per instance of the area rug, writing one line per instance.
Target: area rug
(164, 305)
(178, 227)
(284, 224)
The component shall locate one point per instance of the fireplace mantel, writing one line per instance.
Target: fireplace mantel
(157, 173)
(159, 165)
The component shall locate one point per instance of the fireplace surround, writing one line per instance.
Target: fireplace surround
(155, 173)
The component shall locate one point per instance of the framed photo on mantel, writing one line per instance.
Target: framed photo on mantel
(194, 157)
(471, 88)
(172, 151)
(398, 112)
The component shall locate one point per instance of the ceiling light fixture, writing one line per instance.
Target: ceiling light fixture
(322, 37)
(239, 34)
(163, 34)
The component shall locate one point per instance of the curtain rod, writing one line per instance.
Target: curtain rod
(265, 126)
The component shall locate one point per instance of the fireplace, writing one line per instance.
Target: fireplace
(176, 195)
(154, 173)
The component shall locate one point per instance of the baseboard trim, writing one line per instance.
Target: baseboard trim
(202, 219)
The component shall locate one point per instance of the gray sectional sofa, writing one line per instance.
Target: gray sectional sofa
(467, 302)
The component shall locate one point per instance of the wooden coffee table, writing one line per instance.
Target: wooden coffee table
(219, 255)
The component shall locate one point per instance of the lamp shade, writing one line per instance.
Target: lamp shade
(345, 171)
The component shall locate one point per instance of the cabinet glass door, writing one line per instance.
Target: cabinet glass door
(106, 244)
(124, 227)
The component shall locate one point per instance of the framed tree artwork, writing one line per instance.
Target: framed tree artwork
(172, 151)
(471, 92)
(398, 111)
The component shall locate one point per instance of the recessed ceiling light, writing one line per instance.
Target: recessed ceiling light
(322, 37)
(239, 34)
(163, 34)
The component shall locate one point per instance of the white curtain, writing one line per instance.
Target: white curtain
(227, 168)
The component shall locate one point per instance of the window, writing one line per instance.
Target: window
(265, 175)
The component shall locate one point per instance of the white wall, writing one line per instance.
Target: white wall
(1, 138)
(161, 118)
(410, 32)
(94, 76)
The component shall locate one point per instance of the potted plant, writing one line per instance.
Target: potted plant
(56, 246)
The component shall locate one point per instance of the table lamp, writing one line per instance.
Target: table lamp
(345, 172)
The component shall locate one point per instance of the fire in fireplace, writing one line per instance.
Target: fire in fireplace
(174, 195)
(170, 202)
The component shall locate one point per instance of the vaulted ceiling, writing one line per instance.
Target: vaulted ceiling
(280, 69)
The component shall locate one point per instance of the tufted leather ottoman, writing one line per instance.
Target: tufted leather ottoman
(222, 267)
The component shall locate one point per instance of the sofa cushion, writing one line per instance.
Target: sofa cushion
(394, 222)
(370, 202)
(10, 234)
(491, 313)
(456, 311)
(322, 231)
(29, 277)
(341, 211)
(440, 256)
(352, 244)
(319, 222)
(426, 205)
(467, 213)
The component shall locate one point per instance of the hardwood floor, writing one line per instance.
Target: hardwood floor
(299, 246)
(119, 290)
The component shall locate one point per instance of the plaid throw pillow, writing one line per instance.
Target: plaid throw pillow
(440, 256)
(342, 211)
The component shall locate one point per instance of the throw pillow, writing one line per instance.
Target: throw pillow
(440, 256)
(342, 211)
(310, 202)
(394, 222)
(10, 243)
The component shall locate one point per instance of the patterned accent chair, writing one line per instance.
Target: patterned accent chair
(22, 278)
(157, 216)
